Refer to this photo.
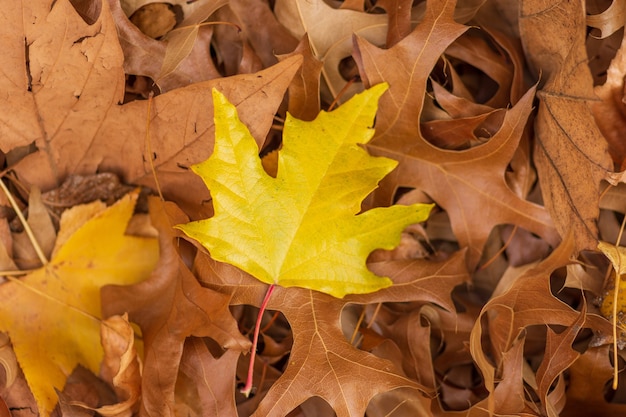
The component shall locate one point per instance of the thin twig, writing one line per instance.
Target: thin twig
(27, 229)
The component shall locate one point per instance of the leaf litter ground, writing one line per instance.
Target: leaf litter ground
(498, 303)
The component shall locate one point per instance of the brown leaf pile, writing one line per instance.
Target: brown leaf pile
(508, 115)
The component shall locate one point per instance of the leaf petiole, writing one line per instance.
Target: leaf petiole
(255, 339)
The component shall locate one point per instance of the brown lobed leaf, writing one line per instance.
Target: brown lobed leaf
(520, 303)
(463, 183)
(322, 363)
(467, 183)
(169, 307)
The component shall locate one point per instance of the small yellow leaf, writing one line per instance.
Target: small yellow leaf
(303, 227)
(53, 314)
(617, 256)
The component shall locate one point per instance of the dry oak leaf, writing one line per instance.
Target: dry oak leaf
(528, 301)
(559, 356)
(571, 154)
(322, 363)
(464, 183)
(301, 228)
(169, 307)
(53, 314)
(66, 102)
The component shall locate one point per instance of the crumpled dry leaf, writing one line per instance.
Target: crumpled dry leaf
(120, 366)
(330, 37)
(261, 29)
(169, 307)
(559, 356)
(168, 67)
(8, 361)
(570, 153)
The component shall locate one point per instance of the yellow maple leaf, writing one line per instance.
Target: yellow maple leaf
(303, 227)
(52, 315)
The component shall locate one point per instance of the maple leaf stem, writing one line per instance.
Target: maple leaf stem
(255, 340)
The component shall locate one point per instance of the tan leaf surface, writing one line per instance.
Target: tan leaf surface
(322, 363)
(570, 153)
(216, 397)
(304, 90)
(589, 376)
(78, 95)
(169, 307)
(330, 33)
(610, 111)
(559, 356)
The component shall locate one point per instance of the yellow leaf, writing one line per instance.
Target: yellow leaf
(53, 315)
(617, 256)
(302, 228)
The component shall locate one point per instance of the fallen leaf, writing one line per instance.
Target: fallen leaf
(524, 302)
(170, 306)
(24, 252)
(121, 366)
(610, 111)
(474, 181)
(260, 27)
(265, 225)
(304, 90)
(182, 41)
(154, 19)
(76, 87)
(322, 363)
(330, 33)
(589, 377)
(145, 56)
(570, 153)
(66, 293)
(610, 20)
(559, 355)
(406, 67)
(216, 396)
